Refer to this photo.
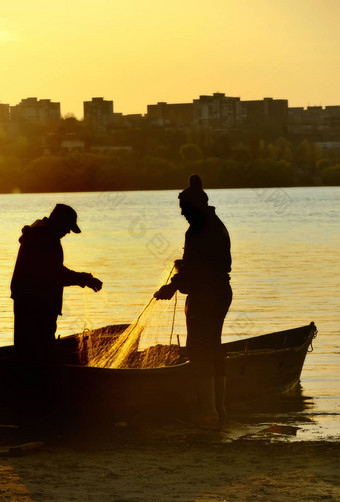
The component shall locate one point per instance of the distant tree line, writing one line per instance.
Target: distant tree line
(31, 159)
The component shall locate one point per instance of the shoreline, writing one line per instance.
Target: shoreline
(170, 464)
(176, 189)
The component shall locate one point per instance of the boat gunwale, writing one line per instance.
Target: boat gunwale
(295, 348)
(186, 364)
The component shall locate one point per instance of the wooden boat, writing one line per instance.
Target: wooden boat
(256, 367)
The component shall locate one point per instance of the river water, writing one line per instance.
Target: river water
(285, 273)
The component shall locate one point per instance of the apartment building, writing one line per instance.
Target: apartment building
(4, 113)
(314, 120)
(32, 110)
(178, 114)
(98, 113)
(218, 111)
(276, 109)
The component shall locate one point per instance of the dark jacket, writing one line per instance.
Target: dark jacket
(39, 275)
(206, 262)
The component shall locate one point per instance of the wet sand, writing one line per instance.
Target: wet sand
(169, 463)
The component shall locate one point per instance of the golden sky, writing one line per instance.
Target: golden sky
(139, 52)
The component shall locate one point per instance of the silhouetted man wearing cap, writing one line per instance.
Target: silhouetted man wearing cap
(203, 274)
(38, 281)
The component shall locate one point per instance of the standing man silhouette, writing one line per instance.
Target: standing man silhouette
(38, 281)
(203, 274)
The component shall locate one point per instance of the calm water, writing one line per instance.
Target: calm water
(285, 249)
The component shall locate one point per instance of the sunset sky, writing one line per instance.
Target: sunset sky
(139, 52)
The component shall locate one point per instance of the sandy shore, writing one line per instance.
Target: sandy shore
(169, 463)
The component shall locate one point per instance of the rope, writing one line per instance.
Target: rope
(173, 319)
(153, 298)
(170, 273)
(167, 360)
(144, 309)
(311, 348)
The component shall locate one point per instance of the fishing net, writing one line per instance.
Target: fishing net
(149, 342)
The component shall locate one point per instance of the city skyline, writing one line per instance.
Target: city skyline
(36, 101)
(139, 53)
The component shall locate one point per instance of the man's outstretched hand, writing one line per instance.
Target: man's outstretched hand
(166, 292)
(94, 283)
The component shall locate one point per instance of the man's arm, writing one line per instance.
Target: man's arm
(167, 291)
(82, 279)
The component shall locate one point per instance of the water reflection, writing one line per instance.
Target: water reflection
(294, 401)
(286, 417)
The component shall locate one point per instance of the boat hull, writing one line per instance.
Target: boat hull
(255, 368)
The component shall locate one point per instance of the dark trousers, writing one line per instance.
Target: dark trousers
(34, 334)
(204, 317)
